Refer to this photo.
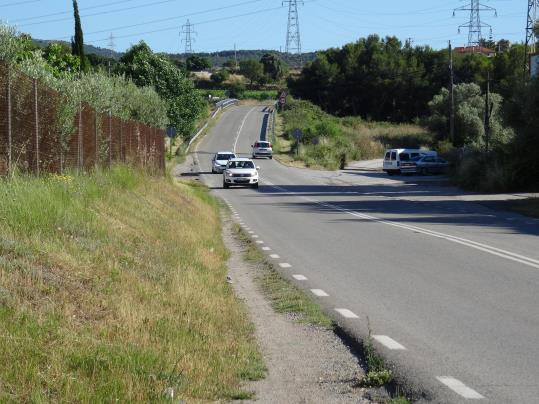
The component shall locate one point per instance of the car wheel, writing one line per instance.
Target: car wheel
(225, 185)
(255, 186)
(271, 157)
(424, 171)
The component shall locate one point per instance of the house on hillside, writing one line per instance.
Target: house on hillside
(476, 49)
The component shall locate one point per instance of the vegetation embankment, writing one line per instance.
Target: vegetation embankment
(328, 141)
(113, 288)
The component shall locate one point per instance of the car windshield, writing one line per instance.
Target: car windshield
(262, 144)
(241, 164)
(225, 156)
(417, 158)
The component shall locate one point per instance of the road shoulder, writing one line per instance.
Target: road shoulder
(305, 363)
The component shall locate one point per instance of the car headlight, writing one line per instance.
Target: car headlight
(228, 174)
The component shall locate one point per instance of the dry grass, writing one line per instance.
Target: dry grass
(112, 288)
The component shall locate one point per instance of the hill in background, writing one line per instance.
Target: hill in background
(216, 58)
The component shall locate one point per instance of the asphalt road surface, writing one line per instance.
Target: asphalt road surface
(448, 288)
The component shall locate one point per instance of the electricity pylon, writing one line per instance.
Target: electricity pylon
(187, 33)
(475, 25)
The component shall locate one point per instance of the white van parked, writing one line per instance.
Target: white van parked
(394, 157)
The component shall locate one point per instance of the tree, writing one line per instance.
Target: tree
(77, 44)
(252, 70)
(469, 117)
(197, 63)
(146, 68)
(273, 66)
(220, 77)
(60, 59)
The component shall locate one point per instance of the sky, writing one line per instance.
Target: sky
(259, 24)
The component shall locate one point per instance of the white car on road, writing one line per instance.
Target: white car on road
(220, 160)
(240, 171)
(262, 149)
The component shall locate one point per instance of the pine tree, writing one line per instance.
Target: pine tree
(77, 44)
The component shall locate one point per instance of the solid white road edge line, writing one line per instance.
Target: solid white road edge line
(465, 242)
(300, 277)
(346, 313)
(319, 293)
(389, 343)
(460, 388)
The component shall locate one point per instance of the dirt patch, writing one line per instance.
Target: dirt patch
(305, 364)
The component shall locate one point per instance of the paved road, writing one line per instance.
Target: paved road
(448, 287)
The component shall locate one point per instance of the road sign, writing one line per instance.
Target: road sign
(282, 98)
(171, 131)
(297, 134)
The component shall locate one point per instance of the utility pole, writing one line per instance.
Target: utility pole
(235, 58)
(293, 37)
(488, 113)
(530, 35)
(451, 96)
(475, 25)
(187, 33)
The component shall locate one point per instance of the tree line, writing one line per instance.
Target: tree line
(384, 79)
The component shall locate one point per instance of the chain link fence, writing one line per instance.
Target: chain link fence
(32, 140)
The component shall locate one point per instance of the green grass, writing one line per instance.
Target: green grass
(284, 296)
(112, 288)
(328, 139)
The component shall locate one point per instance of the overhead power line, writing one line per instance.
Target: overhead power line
(118, 10)
(18, 3)
(37, 17)
(174, 28)
(177, 17)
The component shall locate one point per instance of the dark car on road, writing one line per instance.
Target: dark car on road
(425, 165)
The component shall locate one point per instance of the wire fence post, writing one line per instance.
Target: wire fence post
(36, 117)
(9, 124)
(122, 148)
(96, 114)
(79, 140)
(110, 138)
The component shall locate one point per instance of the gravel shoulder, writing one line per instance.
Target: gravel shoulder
(305, 364)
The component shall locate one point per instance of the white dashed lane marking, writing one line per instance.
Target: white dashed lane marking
(266, 249)
(285, 265)
(346, 313)
(460, 388)
(319, 293)
(259, 242)
(389, 343)
(275, 256)
(299, 277)
(254, 236)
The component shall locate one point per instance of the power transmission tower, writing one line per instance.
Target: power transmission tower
(475, 25)
(293, 37)
(530, 35)
(112, 46)
(187, 33)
